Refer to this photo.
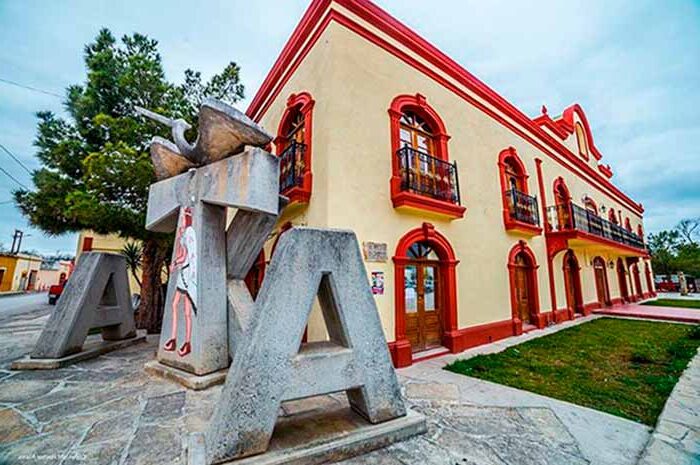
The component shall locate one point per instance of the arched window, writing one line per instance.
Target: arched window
(628, 225)
(590, 205)
(560, 217)
(581, 140)
(520, 210)
(293, 146)
(416, 133)
(612, 217)
(640, 231)
(422, 175)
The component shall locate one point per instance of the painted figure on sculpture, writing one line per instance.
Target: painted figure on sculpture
(185, 265)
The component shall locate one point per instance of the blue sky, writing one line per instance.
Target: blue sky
(633, 65)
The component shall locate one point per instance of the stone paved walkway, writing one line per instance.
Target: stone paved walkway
(108, 411)
(676, 439)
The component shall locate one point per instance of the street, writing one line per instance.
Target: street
(26, 305)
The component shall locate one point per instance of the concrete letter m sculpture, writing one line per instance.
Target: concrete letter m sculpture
(269, 367)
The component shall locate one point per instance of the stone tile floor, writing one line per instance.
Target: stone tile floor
(108, 411)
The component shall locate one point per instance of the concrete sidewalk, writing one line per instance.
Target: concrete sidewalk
(601, 438)
(107, 411)
(672, 314)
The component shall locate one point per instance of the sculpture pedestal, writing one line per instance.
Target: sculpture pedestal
(185, 378)
(92, 349)
(321, 435)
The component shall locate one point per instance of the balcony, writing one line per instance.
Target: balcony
(427, 183)
(521, 212)
(294, 173)
(578, 225)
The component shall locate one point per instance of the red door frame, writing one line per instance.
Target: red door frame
(650, 285)
(401, 347)
(576, 306)
(622, 281)
(533, 289)
(606, 294)
(637, 281)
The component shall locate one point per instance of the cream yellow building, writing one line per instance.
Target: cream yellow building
(90, 241)
(478, 221)
(18, 272)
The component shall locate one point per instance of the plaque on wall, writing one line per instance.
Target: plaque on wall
(374, 251)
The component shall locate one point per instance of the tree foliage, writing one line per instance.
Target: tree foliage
(677, 249)
(96, 167)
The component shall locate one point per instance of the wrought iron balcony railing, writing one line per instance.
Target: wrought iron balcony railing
(522, 207)
(571, 217)
(292, 166)
(429, 176)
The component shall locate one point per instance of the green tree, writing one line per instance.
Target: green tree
(96, 164)
(662, 248)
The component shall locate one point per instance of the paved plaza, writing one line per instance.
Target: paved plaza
(108, 411)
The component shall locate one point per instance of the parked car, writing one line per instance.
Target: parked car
(671, 283)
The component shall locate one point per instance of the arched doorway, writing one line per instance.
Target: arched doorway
(572, 283)
(425, 294)
(622, 281)
(522, 267)
(637, 281)
(650, 283)
(601, 281)
(422, 293)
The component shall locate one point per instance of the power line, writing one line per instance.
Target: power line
(13, 178)
(33, 89)
(16, 159)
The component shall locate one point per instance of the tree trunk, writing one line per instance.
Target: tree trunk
(149, 315)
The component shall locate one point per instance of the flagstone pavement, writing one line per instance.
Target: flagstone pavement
(108, 411)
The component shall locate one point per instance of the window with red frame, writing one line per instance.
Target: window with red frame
(422, 175)
(520, 210)
(293, 146)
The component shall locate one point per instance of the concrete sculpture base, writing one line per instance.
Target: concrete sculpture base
(185, 378)
(91, 349)
(317, 437)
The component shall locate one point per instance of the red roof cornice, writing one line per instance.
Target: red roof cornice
(307, 32)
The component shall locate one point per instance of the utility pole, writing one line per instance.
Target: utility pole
(17, 241)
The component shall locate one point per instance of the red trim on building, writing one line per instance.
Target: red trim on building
(606, 170)
(513, 224)
(303, 103)
(550, 258)
(569, 124)
(401, 349)
(537, 318)
(418, 104)
(306, 34)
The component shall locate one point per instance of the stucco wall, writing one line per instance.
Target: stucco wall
(353, 83)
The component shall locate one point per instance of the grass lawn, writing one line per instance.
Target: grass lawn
(682, 303)
(624, 367)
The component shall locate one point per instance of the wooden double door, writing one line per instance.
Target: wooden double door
(422, 292)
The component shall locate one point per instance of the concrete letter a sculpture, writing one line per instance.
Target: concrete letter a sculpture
(96, 296)
(268, 367)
